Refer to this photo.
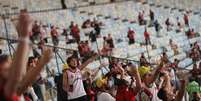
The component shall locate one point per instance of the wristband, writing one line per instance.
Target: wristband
(24, 39)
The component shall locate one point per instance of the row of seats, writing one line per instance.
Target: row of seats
(32, 5)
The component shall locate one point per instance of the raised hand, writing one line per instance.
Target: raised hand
(33, 73)
(133, 69)
(47, 55)
(24, 25)
(166, 74)
(18, 67)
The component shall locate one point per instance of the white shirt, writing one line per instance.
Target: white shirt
(103, 96)
(75, 79)
(33, 94)
(153, 90)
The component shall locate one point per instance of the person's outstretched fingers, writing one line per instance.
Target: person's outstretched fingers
(24, 25)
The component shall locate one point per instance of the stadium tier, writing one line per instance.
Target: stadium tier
(170, 35)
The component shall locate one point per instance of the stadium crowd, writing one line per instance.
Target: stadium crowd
(21, 79)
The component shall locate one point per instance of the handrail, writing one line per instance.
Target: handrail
(71, 50)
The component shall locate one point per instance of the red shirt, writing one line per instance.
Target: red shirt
(91, 93)
(196, 46)
(185, 18)
(146, 34)
(81, 49)
(86, 48)
(27, 98)
(192, 33)
(4, 98)
(123, 94)
(36, 29)
(131, 34)
(54, 32)
(173, 65)
(75, 31)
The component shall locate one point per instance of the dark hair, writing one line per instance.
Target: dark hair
(3, 58)
(200, 64)
(69, 59)
(161, 75)
(104, 38)
(52, 27)
(176, 59)
(122, 82)
(30, 59)
(162, 94)
(191, 45)
(1, 51)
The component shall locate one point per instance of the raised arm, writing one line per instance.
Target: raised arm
(95, 72)
(32, 74)
(181, 92)
(137, 78)
(88, 61)
(18, 65)
(155, 74)
(167, 82)
(65, 81)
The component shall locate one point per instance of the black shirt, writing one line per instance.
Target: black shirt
(61, 94)
(97, 29)
(92, 36)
